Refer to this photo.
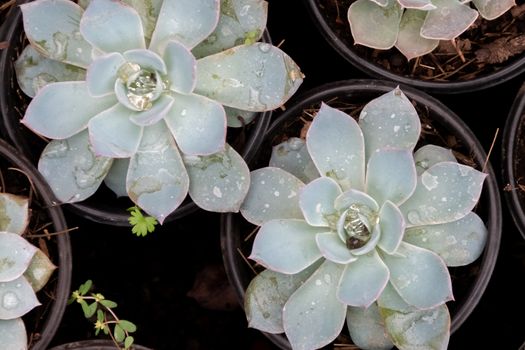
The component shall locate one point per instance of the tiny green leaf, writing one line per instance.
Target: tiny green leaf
(119, 333)
(85, 307)
(90, 310)
(127, 326)
(128, 342)
(100, 315)
(141, 225)
(84, 288)
(108, 303)
(106, 330)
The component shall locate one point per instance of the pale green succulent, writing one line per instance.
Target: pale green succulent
(415, 27)
(24, 270)
(136, 93)
(356, 226)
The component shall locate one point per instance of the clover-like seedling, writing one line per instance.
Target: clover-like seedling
(106, 320)
(139, 94)
(141, 225)
(24, 270)
(356, 226)
(415, 27)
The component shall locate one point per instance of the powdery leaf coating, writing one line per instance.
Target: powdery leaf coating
(292, 156)
(409, 40)
(18, 298)
(492, 9)
(15, 256)
(317, 201)
(13, 334)
(448, 20)
(429, 155)
(14, 214)
(39, 270)
(367, 328)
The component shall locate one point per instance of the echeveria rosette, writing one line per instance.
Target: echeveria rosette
(415, 27)
(24, 270)
(141, 92)
(368, 238)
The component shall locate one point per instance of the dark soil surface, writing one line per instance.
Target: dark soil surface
(153, 278)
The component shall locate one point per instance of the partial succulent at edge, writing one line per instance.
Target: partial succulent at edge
(357, 227)
(139, 94)
(24, 270)
(415, 27)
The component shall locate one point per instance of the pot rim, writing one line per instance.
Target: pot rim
(94, 209)
(453, 87)
(450, 121)
(512, 195)
(56, 215)
(94, 344)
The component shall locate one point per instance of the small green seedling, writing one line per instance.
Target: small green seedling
(141, 225)
(96, 303)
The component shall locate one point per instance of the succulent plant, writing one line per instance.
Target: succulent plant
(136, 93)
(24, 270)
(355, 226)
(415, 27)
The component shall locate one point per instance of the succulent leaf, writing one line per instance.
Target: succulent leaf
(15, 256)
(102, 73)
(157, 180)
(458, 243)
(273, 194)
(335, 143)
(266, 295)
(240, 21)
(446, 192)
(14, 214)
(148, 11)
(292, 156)
(186, 21)
(112, 26)
(374, 25)
(389, 121)
(146, 59)
(428, 155)
(257, 77)
(317, 201)
(237, 118)
(390, 299)
(448, 20)
(116, 177)
(392, 225)
(13, 334)
(34, 71)
(367, 328)
(52, 28)
(401, 180)
(419, 276)
(492, 9)
(218, 182)
(108, 143)
(424, 5)
(271, 247)
(74, 172)
(409, 41)
(422, 329)
(347, 198)
(313, 316)
(61, 110)
(198, 125)
(363, 280)
(39, 270)
(160, 109)
(181, 67)
(333, 248)
(18, 298)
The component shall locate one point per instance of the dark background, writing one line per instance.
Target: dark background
(151, 277)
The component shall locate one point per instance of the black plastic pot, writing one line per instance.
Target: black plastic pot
(348, 51)
(467, 290)
(60, 248)
(513, 149)
(103, 207)
(95, 344)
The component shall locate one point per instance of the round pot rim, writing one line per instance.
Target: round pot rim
(56, 214)
(453, 87)
(451, 122)
(110, 215)
(512, 195)
(93, 344)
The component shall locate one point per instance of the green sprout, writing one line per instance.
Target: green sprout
(141, 225)
(96, 303)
